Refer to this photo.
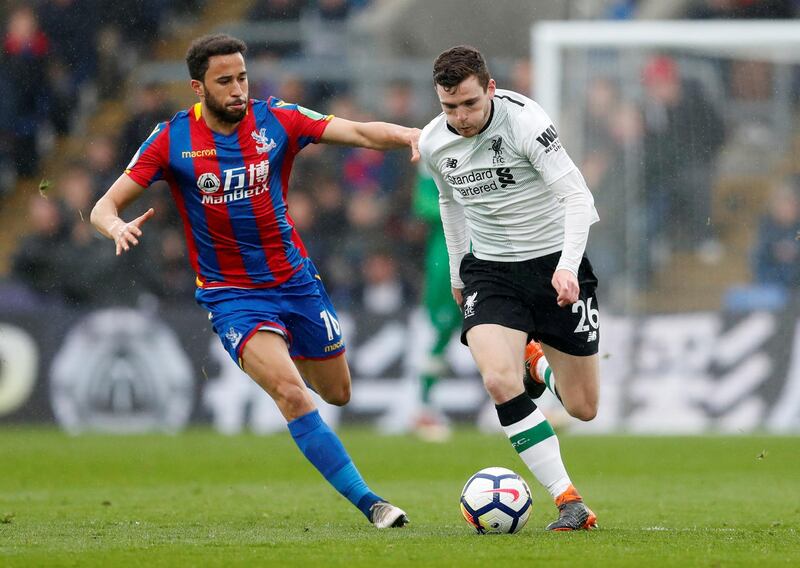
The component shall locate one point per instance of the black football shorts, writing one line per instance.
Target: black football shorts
(519, 295)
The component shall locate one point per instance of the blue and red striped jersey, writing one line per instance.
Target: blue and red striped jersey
(231, 190)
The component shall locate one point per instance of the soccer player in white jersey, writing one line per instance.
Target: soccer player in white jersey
(516, 214)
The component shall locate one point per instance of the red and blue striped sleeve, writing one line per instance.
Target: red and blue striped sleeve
(151, 160)
(303, 126)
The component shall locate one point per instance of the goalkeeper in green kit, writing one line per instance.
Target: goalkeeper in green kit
(430, 423)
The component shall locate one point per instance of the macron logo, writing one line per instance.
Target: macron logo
(548, 136)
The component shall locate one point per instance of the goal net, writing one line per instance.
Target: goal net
(685, 131)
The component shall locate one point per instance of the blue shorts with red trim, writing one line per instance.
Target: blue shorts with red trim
(299, 310)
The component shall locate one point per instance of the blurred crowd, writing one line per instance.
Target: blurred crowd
(352, 207)
(59, 54)
(651, 157)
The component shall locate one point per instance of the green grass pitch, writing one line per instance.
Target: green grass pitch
(202, 499)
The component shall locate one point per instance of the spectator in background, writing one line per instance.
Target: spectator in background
(382, 290)
(137, 22)
(610, 125)
(613, 130)
(399, 105)
(334, 10)
(77, 191)
(151, 105)
(101, 159)
(621, 10)
(72, 30)
(301, 210)
(522, 75)
(370, 171)
(329, 203)
(776, 255)
(38, 261)
(175, 278)
(601, 97)
(63, 96)
(398, 102)
(365, 171)
(325, 237)
(276, 10)
(286, 11)
(327, 29)
(110, 75)
(82, 248)
(26, 49)
(364, 226)
(683, 136)
(71, 27)
(8, 169)
(292, 88)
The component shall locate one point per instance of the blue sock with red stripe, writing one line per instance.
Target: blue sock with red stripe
(325, 451)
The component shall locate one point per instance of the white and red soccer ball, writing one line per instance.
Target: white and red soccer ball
(496, 500)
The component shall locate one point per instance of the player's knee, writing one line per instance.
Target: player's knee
(584, 410)
(498, 387)
(587, 413)
(291, 398)
(339, 396)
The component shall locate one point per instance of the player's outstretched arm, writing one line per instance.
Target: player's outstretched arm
(375, 135)
(105, 214)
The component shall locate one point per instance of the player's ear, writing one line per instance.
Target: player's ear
(490, 88)
(198, 88)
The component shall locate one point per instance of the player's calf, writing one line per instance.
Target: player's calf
(577, 379)
(329, 378)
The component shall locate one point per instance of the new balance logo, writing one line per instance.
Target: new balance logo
(548, 136)
(450, 163)
(591, 337)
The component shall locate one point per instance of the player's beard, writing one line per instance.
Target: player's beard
(223, 113)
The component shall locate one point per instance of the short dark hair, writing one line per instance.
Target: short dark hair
(203, 48)
(457, 64)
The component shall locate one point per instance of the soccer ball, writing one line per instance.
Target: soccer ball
(496, 500)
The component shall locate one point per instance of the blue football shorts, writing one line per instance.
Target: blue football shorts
(299, 310)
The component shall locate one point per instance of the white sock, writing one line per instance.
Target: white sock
(538, 446)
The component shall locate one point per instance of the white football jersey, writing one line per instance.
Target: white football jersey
(500, 177)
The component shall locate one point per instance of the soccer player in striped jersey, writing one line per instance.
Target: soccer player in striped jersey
(227, 161)
(516, 214)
